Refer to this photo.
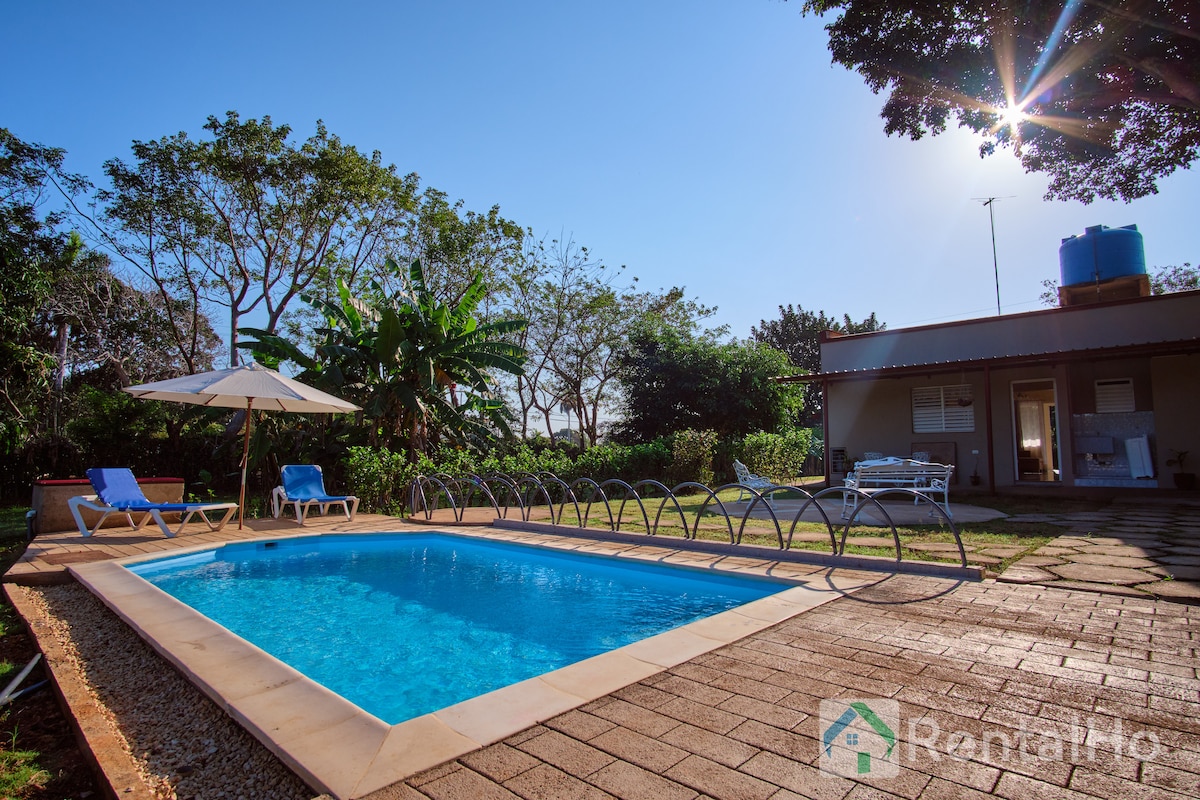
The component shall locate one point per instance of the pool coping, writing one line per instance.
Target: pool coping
(338, 748)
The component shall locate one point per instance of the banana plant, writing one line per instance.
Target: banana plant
(420, 368)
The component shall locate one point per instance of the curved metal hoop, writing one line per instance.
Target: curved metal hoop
(594, 489)
(417, 489)
(511, 492)
(757, 498)
(814, 500)
(525, 487)
(862, 499)
(629, 491)
(668, 495)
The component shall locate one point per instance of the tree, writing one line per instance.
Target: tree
(1183, 278)
(247, 220)
(33, 254)
(1101, 95)
(454, 246)
(798, 334)
(1164, 280)
(102, 323)
(552, 287)
(71, 332)
(674, 380)
(580, 319)
(421, 369)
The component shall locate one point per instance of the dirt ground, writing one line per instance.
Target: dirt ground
(35, 722)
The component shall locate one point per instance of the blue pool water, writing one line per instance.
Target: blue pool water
(402, 625)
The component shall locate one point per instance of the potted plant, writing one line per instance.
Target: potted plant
(1183, 480)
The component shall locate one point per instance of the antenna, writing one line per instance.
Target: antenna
(990, 203)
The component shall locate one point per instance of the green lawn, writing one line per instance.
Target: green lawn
(1000, 532)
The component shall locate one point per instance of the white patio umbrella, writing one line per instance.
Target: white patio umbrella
(252, 387)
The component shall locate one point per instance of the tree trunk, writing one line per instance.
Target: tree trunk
(60, 370)
(233, 339)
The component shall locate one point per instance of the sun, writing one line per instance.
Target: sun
(1011, 117)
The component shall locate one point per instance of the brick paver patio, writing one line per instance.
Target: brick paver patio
(1072, 681)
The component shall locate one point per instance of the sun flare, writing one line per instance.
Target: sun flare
(1011, 117)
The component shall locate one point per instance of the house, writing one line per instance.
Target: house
(1098, 392)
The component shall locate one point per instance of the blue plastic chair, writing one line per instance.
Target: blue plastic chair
(304, 486)
(117, 492)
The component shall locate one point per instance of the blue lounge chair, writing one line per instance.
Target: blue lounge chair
(304, 486)
(117, 492)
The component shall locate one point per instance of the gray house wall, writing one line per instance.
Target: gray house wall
(1176, 387)
(876, 416)
(875, 413)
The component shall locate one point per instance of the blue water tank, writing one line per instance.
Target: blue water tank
(1100, 254)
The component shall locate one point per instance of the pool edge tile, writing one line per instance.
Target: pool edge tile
(332, 759)
(181, 634)
(728, 626)
(599, 675)
(294, 710)
(502, 712)
(411, 747)
(671, 648)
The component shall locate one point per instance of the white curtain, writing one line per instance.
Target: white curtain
(1029, 415)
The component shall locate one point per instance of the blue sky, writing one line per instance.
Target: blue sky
(709, 144)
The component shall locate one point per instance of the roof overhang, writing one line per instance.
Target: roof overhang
(1150, 349)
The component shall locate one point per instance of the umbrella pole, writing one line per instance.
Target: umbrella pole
(245, 463)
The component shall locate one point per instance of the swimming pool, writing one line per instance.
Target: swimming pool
(340, 749)
(403, 625)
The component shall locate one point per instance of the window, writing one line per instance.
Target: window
(943, 409)
(1114, 396)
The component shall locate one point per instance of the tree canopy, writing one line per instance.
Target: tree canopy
(1102, 96)
(580, 316)
(248, 220)
(1163, 280)
(32, 253)
(798, 334)
(71, 329)
(423, 370)
(674, 380)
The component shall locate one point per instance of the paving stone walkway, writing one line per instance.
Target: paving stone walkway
(1003, 690)
(1135, 549)
(1124, 549)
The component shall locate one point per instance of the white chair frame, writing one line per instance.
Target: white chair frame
(279, 500)
(749, 480)
(92, 503)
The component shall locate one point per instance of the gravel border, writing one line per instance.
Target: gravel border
(180, 743)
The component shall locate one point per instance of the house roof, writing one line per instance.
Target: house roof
(1147, 326)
